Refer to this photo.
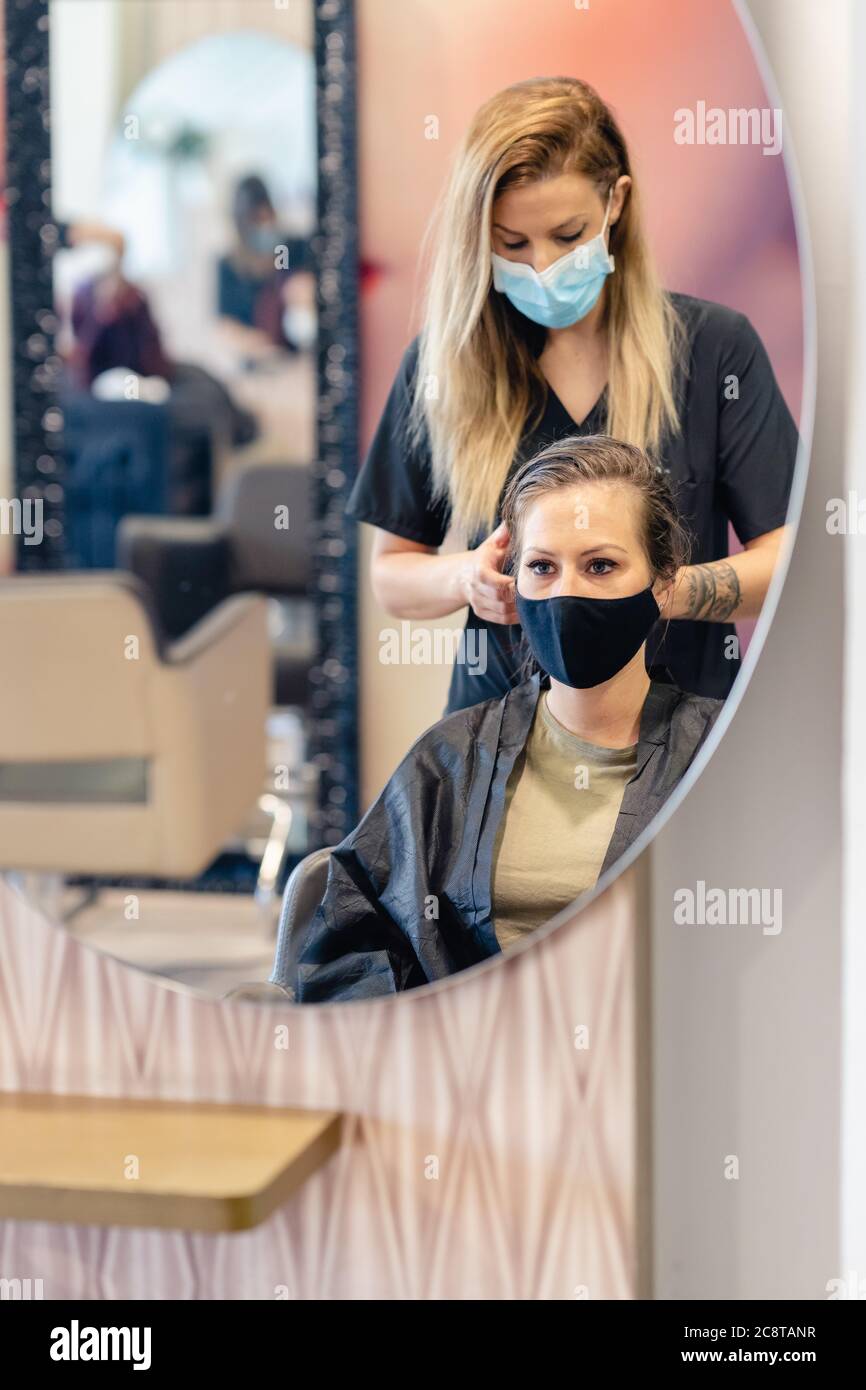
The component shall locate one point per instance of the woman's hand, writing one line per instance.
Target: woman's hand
(411, 580)
(489, 592)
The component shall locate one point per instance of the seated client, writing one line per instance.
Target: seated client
(503, 813)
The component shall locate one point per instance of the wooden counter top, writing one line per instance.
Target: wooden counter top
(171, 1164)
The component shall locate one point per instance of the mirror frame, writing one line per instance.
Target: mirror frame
(36, 368)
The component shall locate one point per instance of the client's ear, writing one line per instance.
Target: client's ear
(663, 590)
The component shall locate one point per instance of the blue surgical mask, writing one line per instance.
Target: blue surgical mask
(565, 292)
(261, 237)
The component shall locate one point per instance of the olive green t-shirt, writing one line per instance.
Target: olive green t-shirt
(561, 803)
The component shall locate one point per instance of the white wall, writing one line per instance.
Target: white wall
(83, 40)
(746, 1026)
(853, 1213)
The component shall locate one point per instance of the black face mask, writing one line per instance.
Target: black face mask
(584, 641)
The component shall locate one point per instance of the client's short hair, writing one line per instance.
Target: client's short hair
(597, 458)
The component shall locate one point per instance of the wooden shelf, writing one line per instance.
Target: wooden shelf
(200, 1167)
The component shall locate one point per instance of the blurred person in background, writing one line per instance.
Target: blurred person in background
(113, 334)
(265, 283)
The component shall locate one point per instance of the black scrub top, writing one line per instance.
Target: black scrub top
(733, 460)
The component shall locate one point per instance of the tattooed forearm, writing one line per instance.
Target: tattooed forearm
(711, 592)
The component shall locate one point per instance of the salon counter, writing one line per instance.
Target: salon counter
(198, 1167)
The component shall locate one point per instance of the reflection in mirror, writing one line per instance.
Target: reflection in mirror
(590, 470)
(176, 752)
(577, 470)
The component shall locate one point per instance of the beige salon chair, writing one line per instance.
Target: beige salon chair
(302, 894)
(259, 992)
(119, 753)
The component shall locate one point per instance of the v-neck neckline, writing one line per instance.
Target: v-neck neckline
(578, 424)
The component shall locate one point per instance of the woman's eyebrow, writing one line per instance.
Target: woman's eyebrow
(591, 550)
(575, 217)
(604, 545)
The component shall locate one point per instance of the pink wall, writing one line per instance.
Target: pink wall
(719, 216)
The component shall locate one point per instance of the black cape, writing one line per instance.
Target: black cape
(408, 897)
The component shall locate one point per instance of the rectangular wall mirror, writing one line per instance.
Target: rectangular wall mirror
(183, 365)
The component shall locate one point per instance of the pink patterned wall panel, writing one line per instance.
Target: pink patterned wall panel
(534, 1138)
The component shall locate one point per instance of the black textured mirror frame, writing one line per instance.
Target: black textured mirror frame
(36, 367)
(32, 240)
(336, 675)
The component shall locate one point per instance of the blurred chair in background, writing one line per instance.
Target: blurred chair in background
(122, 753)
(189, 565)
(303, 893)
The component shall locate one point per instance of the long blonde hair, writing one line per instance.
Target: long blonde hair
(478, 384)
